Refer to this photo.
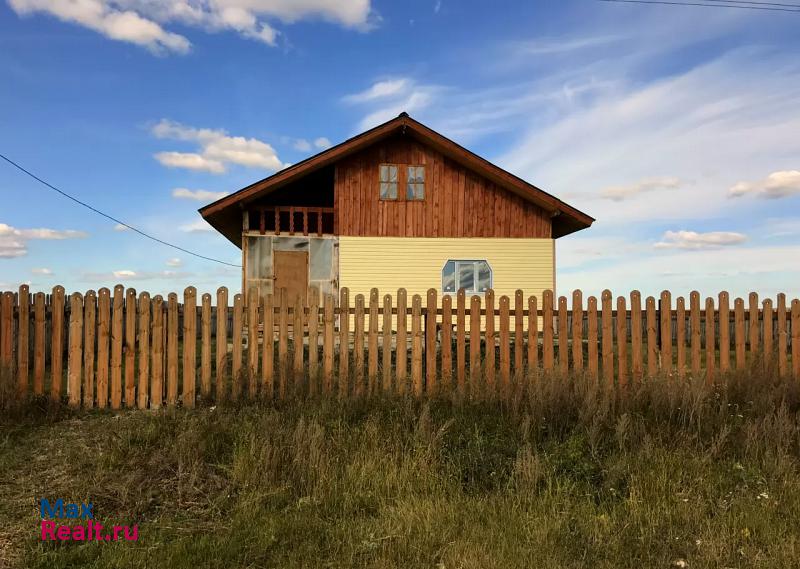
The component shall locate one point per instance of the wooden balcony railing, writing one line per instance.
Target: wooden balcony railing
(294, 220)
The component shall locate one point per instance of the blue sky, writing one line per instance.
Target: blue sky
(676, 127)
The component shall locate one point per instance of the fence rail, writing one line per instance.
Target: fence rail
(119, 349)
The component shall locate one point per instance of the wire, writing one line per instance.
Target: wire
(756, 3)
(739, 6)
(114, 219)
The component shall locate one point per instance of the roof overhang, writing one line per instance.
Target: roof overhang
(225, 214)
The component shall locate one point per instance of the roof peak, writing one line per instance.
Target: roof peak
(403, 114)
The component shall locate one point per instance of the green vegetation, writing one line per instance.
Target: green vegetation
(569, 476)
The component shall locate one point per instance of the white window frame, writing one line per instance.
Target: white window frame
(475, 275)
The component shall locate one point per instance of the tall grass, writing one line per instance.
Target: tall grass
(571, 473)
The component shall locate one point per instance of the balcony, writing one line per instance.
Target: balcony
(296, 220)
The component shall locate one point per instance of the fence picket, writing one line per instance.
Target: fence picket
(491, 345)
(75, 354)
(694, 308)
(782, 335)
(38, 342)
(327, 344)
(768, 333)
(711, 347)
(130, 348)
(237, 323)
(89, 333)
(23, 338)
(172, 349)
(252, 299)
(386, 343)
(344, 340)
(547, 331)
(57, 342)
(666, 331)
(724, 332)
(738, 315)
(607, 338)
(636, 336)
(103, 346)
(372, 341)
(563, 336)
(754, 335)
(622, 341)
(431, 349)
(461, 345)
(447, 340)
(474, 344)
(7, 335)
(189, 346)
(505, 348)
(157, 354)
(416, 344)
(680, 335)
(117, 339)
(144, 350)
(519, 333)
(577, 331)
(652, 337)
(358, 347)
(205, 346)
(298, 341)
(533, 335)
(592, 337)
(796, 338)
(268, 341)
(283, 341)
(221, 368)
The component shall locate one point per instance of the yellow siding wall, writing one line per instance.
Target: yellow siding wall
(415, 264)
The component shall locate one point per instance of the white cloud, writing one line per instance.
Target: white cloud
(692, 240)
(301, 145)
(217, 149)
(196, 227)
(322, 143)
(133, 275)
(174, 262)
(620, 193)
(380, 90)
(42, 271)
(777, 185)
(120, 227)
(13, 241)
(386, 99)
(437, 6)
(190, 161)
(109, 18)
(197, 195)
(141, 21)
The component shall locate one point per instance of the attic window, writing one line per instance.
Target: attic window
(415, 183)
(388, 181)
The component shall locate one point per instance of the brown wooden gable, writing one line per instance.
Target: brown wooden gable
(483, 183)
(458, 202)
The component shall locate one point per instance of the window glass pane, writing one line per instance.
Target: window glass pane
(416, 174)
(388, 173)
(466, 276)
(388, 190)
(415, 192)
(321, 259)
(484, 276)
(449, 277)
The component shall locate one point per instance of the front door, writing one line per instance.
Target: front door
(291, 273)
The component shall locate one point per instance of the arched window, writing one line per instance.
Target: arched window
(474, 276)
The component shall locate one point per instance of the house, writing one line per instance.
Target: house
(399, 205)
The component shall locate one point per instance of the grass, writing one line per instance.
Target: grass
(570, 475)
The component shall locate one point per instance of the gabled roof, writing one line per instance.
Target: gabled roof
(225, 214)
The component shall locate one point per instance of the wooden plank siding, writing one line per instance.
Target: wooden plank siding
(458, 202)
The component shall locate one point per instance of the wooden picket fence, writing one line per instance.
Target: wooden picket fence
(119, 349)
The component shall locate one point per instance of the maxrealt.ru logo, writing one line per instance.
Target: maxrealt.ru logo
(86, 528)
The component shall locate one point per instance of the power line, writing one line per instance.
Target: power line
(739, 6)
(756, 3)
(114, 219)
